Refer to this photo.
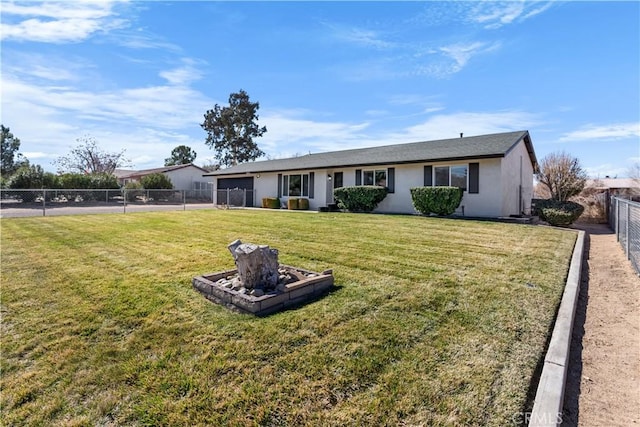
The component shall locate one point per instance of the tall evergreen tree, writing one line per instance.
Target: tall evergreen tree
(181, 155)
(230, 130)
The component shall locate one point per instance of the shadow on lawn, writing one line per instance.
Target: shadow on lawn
(570, 410)
(311, 300)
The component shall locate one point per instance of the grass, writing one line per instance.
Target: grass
(431, 322)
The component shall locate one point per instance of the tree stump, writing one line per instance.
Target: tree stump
(257, 264)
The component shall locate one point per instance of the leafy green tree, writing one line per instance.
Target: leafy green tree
(84, 181)
(11, 159)
(230, 130)
(562, 175)
(156, 181)
(181, 155)
(32, 177)
(89, 158)
(211, 167)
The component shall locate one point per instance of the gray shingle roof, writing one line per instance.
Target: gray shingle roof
(474, 147)
(123, 173)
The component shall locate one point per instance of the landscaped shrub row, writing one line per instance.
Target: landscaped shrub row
(293, 203)
(271, 203)
(437, 200)
(360, 198)
(556, 212)
(298, 204)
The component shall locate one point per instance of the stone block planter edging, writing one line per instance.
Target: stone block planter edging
(548, 404)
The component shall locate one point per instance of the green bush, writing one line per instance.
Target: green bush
(32, 177)
(292, 203)
(303, 204)
(271, 203)
(557, 213)
(80, 181)
(104, 181)
(360, 198)
(156, 181)
(74, 181)
(437, 200)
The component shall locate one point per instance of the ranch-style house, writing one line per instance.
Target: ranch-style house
(495, 171)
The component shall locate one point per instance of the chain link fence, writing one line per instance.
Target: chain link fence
(624, 220)
(235, 197)
(15, 203)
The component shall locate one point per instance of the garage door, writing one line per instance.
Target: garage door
(235, 191)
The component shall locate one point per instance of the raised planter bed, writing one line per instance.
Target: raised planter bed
(309, 286)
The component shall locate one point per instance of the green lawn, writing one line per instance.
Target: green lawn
(431, 322)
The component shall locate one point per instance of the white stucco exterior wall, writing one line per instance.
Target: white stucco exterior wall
(517, 181)
(183, 178)
(499, 183)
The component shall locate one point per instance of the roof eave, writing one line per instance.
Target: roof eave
(356, 165)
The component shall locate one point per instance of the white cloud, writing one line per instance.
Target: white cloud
(58, 21)
(289, 135)
(606, 170)
(53, 68)
(440, 62)
(367, 38)
(359, 36)
(461, 53)
(148, 120)
(442, 126)
(497, 14)
(604, 132)
(184, 74)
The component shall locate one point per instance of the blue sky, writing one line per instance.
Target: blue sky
(139, 76)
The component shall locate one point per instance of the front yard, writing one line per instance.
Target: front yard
(432, 321)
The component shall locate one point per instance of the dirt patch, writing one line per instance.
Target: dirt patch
(603, 381)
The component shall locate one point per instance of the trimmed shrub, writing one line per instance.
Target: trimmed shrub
(271, 202)
(557, 213)
(437, 200)
(104, 181)
(156, 181)
(359, 198)
(292, 203)
(80, 181)
(32, 177)
(303, 204)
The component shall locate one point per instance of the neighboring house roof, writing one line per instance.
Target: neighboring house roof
(123, 173)
(474, 147)
(613, 183)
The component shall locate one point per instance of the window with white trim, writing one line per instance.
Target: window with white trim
(454, 176)
(375, 177)
(295, 185)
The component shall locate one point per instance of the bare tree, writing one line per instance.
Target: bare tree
(634, 172)
(88, 158)
(562, 175)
